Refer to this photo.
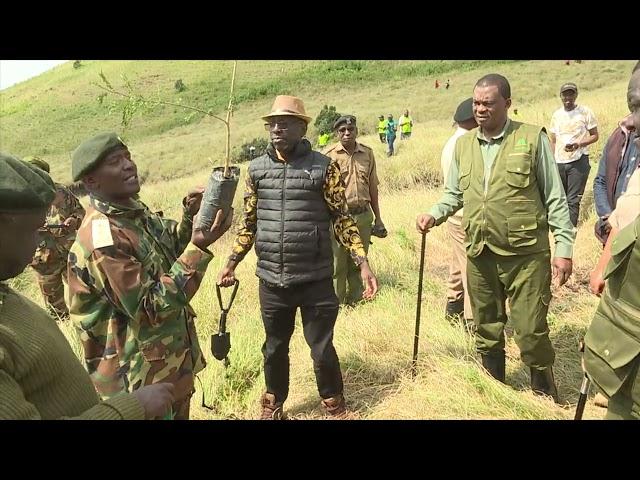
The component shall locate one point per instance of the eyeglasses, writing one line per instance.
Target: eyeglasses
(272, 125)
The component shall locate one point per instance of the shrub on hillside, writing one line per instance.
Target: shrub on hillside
(250, 150)
(77, 64)
(325, 119)
(179, 86)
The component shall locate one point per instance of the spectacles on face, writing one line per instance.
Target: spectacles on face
(273, 125)
(344, 129)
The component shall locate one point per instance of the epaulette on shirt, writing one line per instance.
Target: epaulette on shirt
(327, 150)
(100, 232)
(365, 147)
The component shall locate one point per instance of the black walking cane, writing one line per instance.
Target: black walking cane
(416, 337)
(584, 389)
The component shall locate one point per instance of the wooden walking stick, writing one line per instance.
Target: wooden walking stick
(416, 336)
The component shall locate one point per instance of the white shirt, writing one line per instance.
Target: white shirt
(445, 161)
(571, 127)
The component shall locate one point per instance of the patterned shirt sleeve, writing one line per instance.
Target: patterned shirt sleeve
(344, 226)
(246, 234)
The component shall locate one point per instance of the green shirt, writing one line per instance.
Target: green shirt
(552, 191)
(40, 376)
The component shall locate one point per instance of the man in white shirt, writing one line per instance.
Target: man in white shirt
(458, 305)
(573, 128)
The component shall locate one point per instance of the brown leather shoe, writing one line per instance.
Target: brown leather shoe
(271, 410)
(335, 407)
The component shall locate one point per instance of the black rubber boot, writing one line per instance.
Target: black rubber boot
(543, 383)
(494, 363)
(455, 310)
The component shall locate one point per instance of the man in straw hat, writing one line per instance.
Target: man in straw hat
(294, 199)
(40, 376)
(132, 274)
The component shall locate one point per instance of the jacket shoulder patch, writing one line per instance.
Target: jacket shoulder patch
(101, 232)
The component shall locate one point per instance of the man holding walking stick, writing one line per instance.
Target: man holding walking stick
(504, 174)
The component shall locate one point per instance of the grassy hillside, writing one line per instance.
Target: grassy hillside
(51, 114)
(374, 340)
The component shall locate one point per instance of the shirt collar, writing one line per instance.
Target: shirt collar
(342, 149)
(499, 136)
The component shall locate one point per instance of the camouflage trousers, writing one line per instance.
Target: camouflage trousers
(50, 280)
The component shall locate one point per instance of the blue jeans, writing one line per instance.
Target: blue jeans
(390, 141)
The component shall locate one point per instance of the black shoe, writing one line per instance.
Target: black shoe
(494, 363)
(543, 383)
(455, 310)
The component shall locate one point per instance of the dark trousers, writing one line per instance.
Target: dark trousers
(523, 279)
(319, 308)
(574, 177)
(383, 137)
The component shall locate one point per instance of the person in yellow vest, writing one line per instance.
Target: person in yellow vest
(406, 125)
(324, 139)
(504, 173)
(358, 169)
(382, 129)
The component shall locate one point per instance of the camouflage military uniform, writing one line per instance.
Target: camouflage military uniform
(50, 259)
(132, 274)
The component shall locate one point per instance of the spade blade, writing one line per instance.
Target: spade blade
(220, 345)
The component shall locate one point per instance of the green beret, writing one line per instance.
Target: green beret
(38, 162)
(90, 152)
(23, 187)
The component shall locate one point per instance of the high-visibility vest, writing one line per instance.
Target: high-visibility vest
(323, 139)
(382, 126)
(406, 126)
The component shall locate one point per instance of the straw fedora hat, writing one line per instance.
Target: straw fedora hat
(288, 105)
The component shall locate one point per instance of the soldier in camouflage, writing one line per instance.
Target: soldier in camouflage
(55, 239)
(131, 275)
